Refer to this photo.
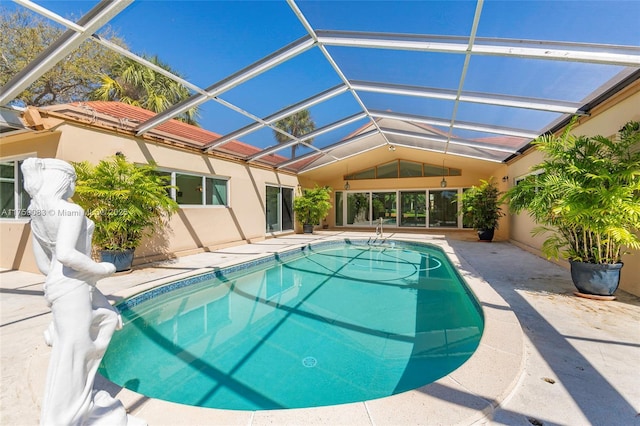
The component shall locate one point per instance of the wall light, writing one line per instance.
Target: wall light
(505, 178)
(443, 182)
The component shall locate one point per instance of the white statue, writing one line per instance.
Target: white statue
(83, 320)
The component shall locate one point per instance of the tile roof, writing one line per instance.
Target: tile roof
(175, 130)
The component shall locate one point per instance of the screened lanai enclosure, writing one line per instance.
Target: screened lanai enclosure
(484, 78)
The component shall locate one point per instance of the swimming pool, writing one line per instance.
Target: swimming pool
(323, 325)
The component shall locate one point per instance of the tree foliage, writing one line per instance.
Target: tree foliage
(481, 206)
(126, 201)
(313, 205)
(298, 124)
(132, 83)
(23, 36)
(587, 196)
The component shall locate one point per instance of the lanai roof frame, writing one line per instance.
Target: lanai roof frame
(591, 53)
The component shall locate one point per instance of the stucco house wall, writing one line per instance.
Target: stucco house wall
(605, 120)
(191, 229)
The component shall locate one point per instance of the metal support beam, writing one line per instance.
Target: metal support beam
(102, 13)
(463, 125)
(305, 23)
(445, 140)
(310, 135)
(273, 118)
(329, 148)
(441, 151)
(253, 70)
(531, 49)
(473, 97)
(465, 67)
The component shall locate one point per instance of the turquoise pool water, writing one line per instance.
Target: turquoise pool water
(327, 325)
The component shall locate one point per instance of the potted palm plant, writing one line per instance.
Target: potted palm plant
(586, 199)
(126, 202)
(481, 209)
(312, 206)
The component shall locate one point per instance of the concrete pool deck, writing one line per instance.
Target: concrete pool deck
(546, 357)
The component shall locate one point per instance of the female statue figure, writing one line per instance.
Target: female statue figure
(83, 320)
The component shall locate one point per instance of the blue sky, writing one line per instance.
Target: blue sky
(208, 40)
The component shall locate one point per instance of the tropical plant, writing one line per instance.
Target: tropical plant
(481, 206)
(24, 35)
(125, 201)
(587, 196)
(132, 83)
(313, 205)
(298, 124)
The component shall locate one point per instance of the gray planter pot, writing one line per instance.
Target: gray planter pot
(307, 228)
(122, 259)
(601, 279)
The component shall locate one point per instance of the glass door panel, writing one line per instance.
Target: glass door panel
(358, 212)
(287, 209)
(272, 204)
(384, 206)
(443, 209)
(413, 206)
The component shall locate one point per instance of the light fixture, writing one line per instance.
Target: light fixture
(443, 182)
(505, 178)
(392, 148)
(347, 186)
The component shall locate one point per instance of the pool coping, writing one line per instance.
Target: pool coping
(470, 393)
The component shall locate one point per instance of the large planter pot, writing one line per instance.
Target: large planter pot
(122, 259)
(485, 234)
(601, 279)
(307, 228)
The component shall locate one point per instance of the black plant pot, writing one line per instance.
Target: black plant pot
(307, 228)
(485, 234)
(122, 259)
(601, 279)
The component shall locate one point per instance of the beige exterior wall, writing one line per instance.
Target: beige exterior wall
(192, 229)
(472, 171)
(195, 229)
(604, 120)
(15, 235)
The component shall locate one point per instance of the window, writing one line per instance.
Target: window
(279, 208)
(358, 211)
(338, 208)
(197, 190)
(387, 171)
(14, 200)
(443, 209)
(536, 175)
(427, 208)
(403, 169)
(413, 208)
(410, 169)
(384, 207)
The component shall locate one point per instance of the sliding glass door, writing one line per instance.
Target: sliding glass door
(443, 209)
(279, 209)
(413, 209)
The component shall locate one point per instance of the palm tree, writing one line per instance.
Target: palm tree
(135, 84)
(298, 124)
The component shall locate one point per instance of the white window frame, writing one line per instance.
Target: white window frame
(174, 191)
(520, 178)
(397, 226)
(17, 209)
(293, 219)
